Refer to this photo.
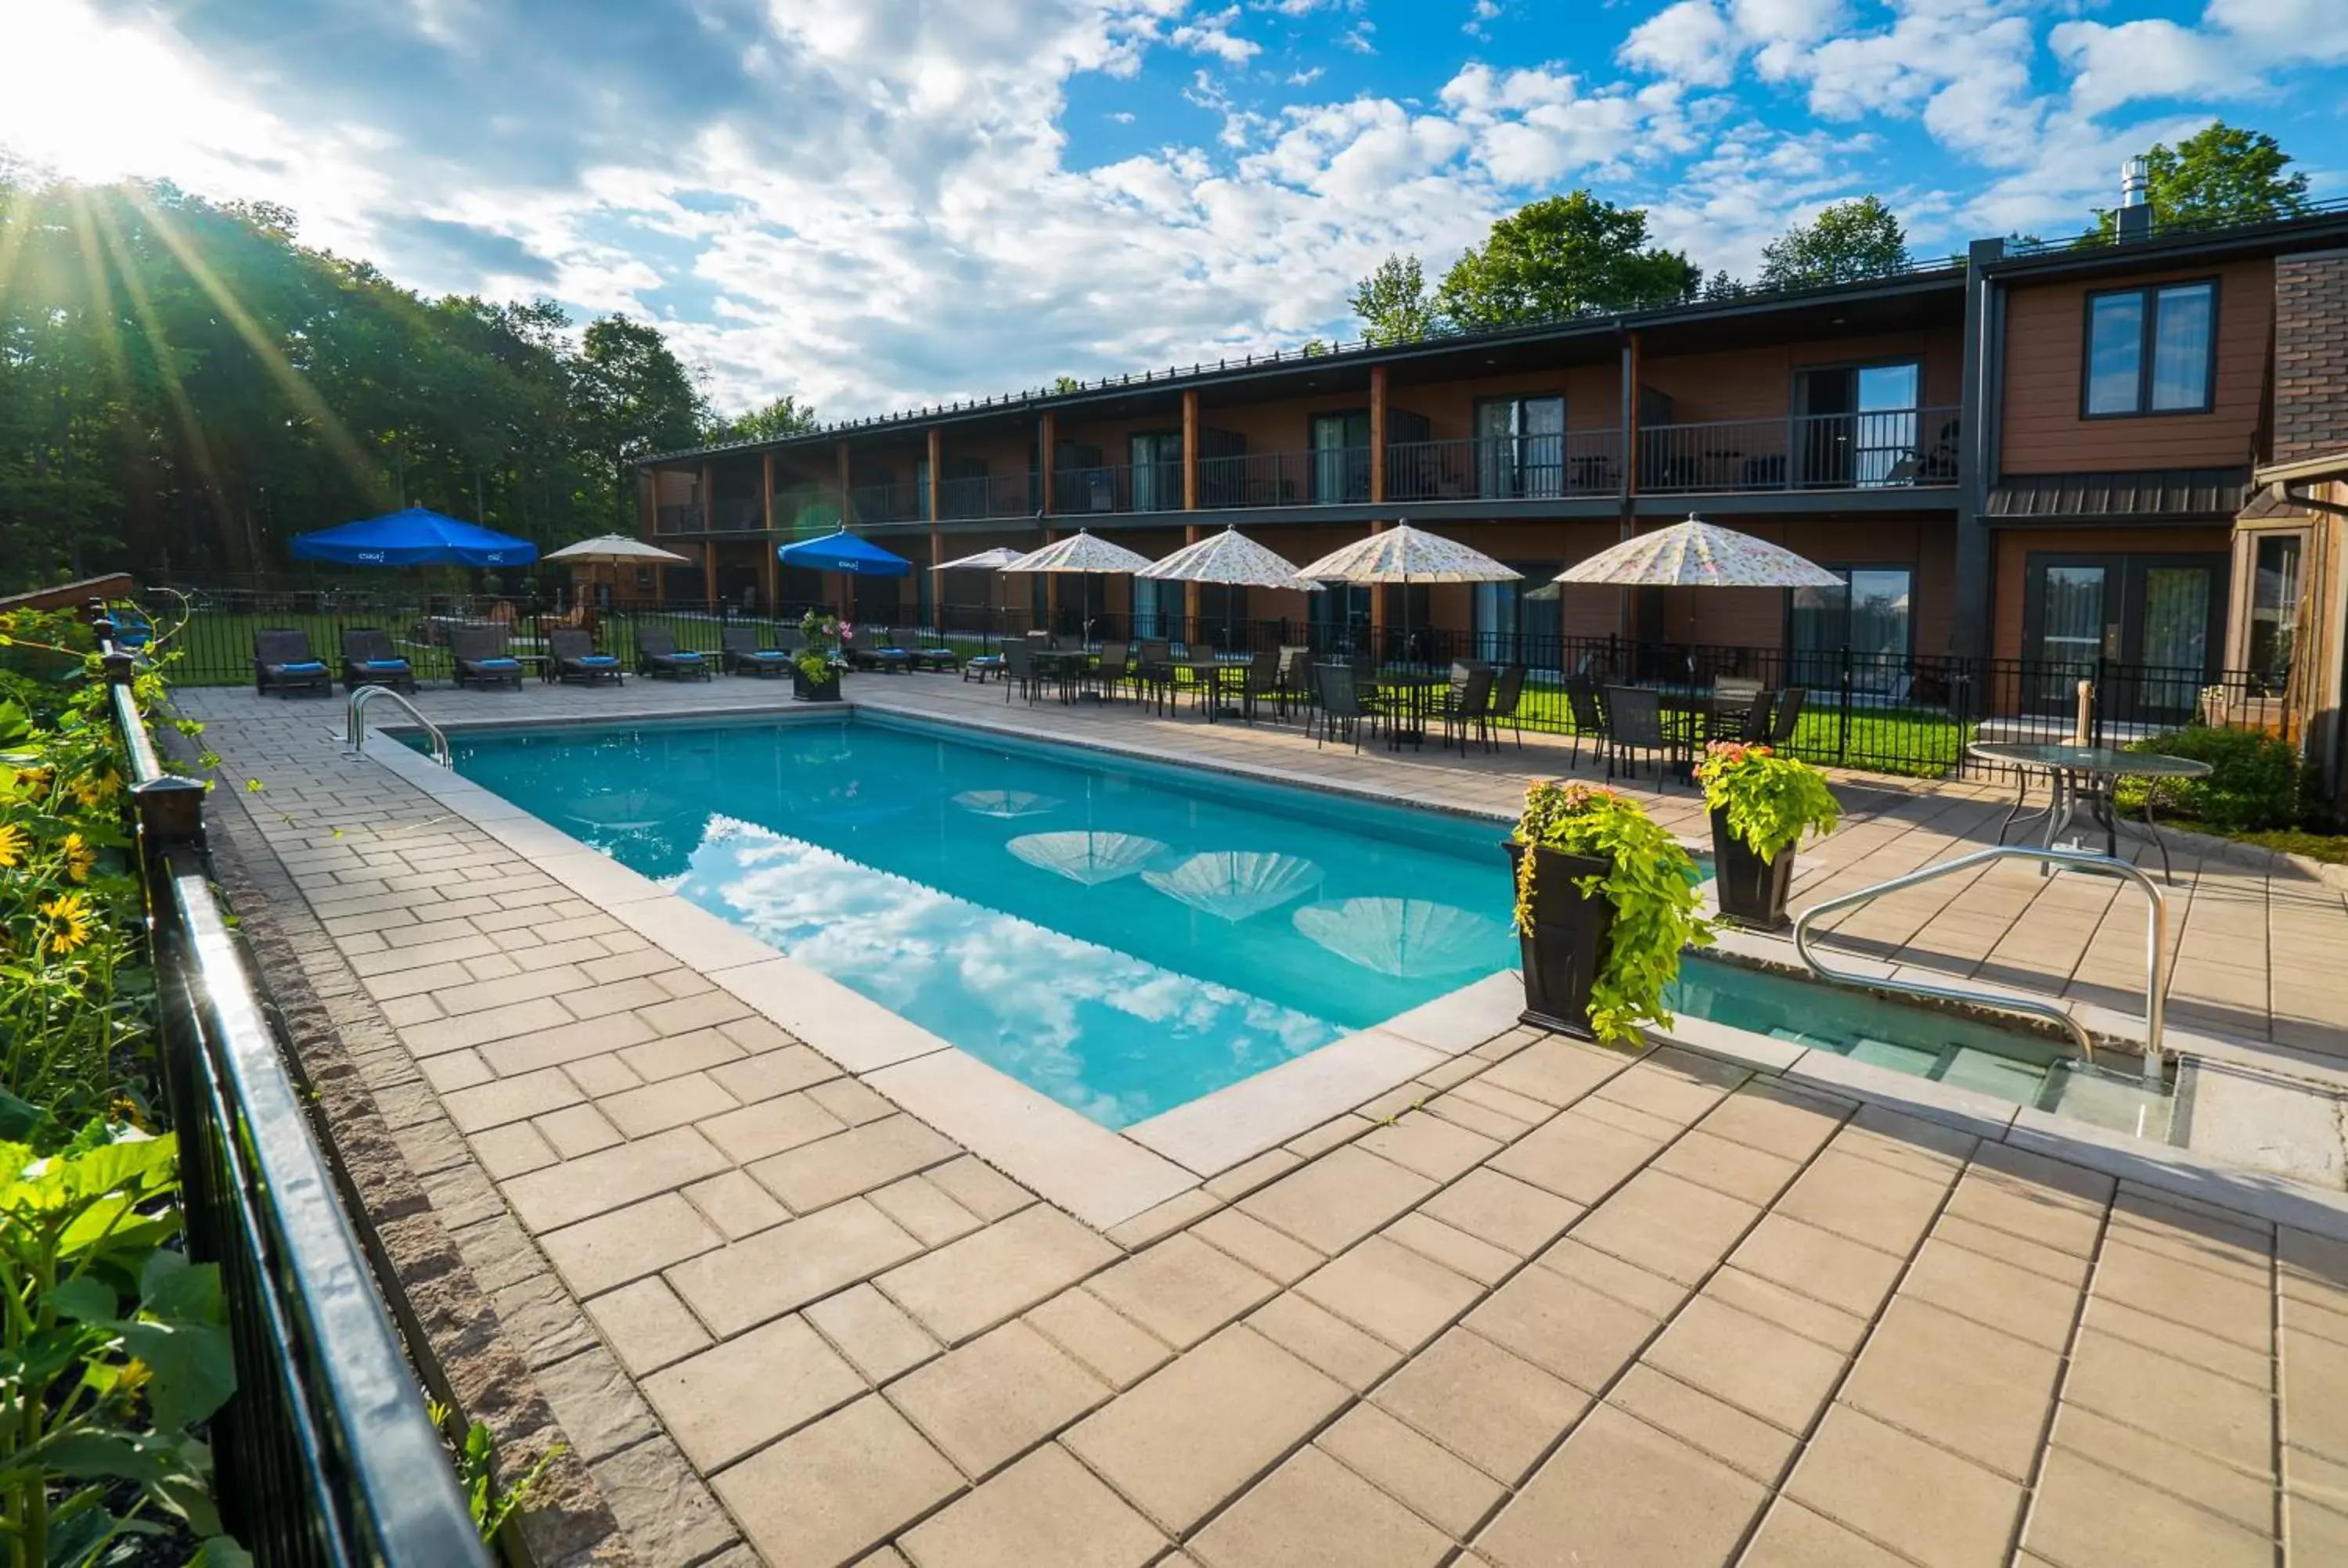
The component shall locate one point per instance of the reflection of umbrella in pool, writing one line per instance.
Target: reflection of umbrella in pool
(1091, 858)
(1236, 885)
(621, 811)
(1005, 802)
(1406, 937)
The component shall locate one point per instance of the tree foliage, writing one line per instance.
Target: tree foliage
(1392, 302)
(1559, 255)
(2219, 175)
(786, 416)
(1847, 241)
(184, 386)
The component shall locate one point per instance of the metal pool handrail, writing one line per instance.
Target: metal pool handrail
(354, 722)
(2156, 955)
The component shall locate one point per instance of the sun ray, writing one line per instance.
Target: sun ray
(12, 232)
(293, 383)
(166, 367)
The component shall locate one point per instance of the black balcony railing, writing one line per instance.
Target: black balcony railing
(897, 501)
(1884, 448)
(980, 496)
(1570, 464)
(326, 1456)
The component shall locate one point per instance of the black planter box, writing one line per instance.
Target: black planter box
(1567, 945)
(1752, 890)
(824, 691)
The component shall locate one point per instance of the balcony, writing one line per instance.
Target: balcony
(1572, 464)
(900, 502)
(1882, 449)
(981, 496)
(741, 515)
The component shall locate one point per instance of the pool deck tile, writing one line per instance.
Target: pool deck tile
(1507, 1299)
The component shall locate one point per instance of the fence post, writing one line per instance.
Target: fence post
(2095, 701)
(1842, 727)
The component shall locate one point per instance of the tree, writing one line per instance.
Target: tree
(637, 397)
(1559, 256)
(2219, 176)
(1847, 241)
(1392, 302)
(1065, 383)
(785, 416)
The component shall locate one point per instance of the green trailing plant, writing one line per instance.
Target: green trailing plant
(1650, 880)
(819, 657)
(1770, 801)
(490, 1500)
(113, 1350)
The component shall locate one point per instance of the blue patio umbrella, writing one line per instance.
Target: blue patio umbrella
(843, 551)
(413, 538)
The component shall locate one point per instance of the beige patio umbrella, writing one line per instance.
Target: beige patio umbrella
(992, 561)
(1233, 559)
(1405, 555)
(1698, 554)
(614, 551)
(1083, 554)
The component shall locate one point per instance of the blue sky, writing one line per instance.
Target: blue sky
(878, 203)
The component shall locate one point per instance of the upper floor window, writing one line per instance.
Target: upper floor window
(2150, 351)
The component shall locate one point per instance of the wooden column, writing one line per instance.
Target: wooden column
(1625, 606)
(840, 474)
(1377, 435)
(708, 502)
(1377, 607)
(937, 475)
(1047, 441)
(709, 572)
(708, 547)
(770, 571)
(1189, 498)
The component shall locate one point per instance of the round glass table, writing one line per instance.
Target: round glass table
(2084, 776)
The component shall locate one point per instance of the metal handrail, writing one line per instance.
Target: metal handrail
(327, 1455)
(354, 724)
(2156, 957)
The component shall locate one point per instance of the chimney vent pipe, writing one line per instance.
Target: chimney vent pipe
(2136, 200)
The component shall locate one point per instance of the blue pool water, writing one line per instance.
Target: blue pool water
(1122, 937)
(1127, 937)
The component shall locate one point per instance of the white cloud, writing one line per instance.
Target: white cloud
(2227, 56)
(1213, 36)
(1690, 42)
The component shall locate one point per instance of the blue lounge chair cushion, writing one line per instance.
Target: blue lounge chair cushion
(769, 653)
(301, 667)
(686, 657)
(498, 663)
(384, 664)
(989, 660)
(598, 660)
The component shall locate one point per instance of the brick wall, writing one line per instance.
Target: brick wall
(2311, 385)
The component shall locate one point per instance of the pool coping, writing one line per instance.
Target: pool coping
(1107, 1177)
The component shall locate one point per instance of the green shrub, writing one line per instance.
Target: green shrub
(2253, 783)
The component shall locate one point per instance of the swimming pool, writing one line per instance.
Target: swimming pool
(1122, 937)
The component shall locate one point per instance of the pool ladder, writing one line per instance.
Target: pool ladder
(2086, 862)
(355, 723)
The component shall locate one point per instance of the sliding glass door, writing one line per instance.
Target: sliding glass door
(2155, 618)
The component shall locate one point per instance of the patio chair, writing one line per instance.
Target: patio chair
(1115, 668)
(1508, 695)
(1259, 681)
(575, 659)
(1589, 714)
(923, 653)
(1788, 715)
(744, 654)
(657, 654)
(1295, 676)
(1340, 707)
(370, 660)
(1467, 705)
(479, 655)
(282, 664)
(1019, 669)
(1153, 669)
(1635, 725)
(1747, 720)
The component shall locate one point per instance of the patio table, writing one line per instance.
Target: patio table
(1207, 674)
(2085, 776)
(1407, 718)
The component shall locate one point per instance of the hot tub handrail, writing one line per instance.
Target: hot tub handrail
(354, 722)
(2156, 955)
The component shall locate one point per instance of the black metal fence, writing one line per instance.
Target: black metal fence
(1905, 713)
(326, 1455)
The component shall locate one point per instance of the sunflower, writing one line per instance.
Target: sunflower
(34, 783)
(97, 788)
(70, 922)
(80, 858)
(13, 845)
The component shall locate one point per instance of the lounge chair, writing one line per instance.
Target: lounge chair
(575, 659)
(282, 664)
(923, 653)
(747, 655)
(480, 656)
(657, 654)
(979, 666)
(369, 660)
(878, 655)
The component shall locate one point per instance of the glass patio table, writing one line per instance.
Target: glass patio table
(2086, 776)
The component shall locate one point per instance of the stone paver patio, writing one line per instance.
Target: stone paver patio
(1547, 1303)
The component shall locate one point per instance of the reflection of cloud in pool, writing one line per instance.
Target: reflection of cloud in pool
(1406, 937)
(1011, 991)
(1005, 802)
(1236, 885)
(1091, 858)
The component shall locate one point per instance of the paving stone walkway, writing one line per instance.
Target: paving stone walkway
(1547, 1305)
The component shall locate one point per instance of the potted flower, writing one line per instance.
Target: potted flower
(1761, 805)
(1605, 901)
(815, 669)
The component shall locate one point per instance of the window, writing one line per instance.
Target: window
(1868, 614)
(2150, 351)
(1341, 457)
(1158, 472)
(2274, 606)
(1521, 447)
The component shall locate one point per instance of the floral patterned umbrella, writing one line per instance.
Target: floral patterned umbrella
(1405, 555)
(1229, 558)
(1698, 554)
(1083, 554)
